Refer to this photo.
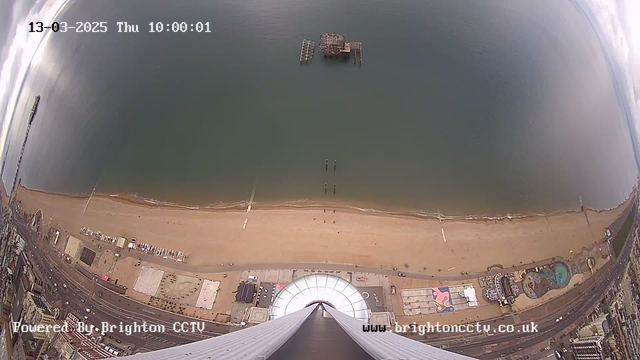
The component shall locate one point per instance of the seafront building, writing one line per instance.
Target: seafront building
(598, 327)
(613, 330)
(589, 348)
(36, 312)
(74, 345)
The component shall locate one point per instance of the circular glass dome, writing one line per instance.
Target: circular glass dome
(331, 289)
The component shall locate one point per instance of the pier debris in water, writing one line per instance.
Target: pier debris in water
(334, 45)
(307, 51)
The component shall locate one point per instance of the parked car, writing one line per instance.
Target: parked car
(362, 279)
(393, 289)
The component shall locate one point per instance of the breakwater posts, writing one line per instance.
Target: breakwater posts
(32, 115)
(307, 51)
(326, 169)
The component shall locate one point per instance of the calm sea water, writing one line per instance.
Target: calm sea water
(469, 107)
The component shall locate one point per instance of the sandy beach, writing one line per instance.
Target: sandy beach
(284, 235)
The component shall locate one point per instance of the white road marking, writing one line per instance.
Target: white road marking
(443, 235)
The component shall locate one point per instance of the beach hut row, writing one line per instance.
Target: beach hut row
(118, 241)
(158, 251)
(133, 245)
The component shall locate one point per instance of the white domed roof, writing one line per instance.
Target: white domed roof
(331, 289)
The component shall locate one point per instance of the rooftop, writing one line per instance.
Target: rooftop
(326, 288)
(40, 303)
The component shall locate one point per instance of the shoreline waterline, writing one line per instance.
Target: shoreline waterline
(305, 204)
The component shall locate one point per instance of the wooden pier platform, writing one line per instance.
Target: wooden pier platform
(307, 50)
